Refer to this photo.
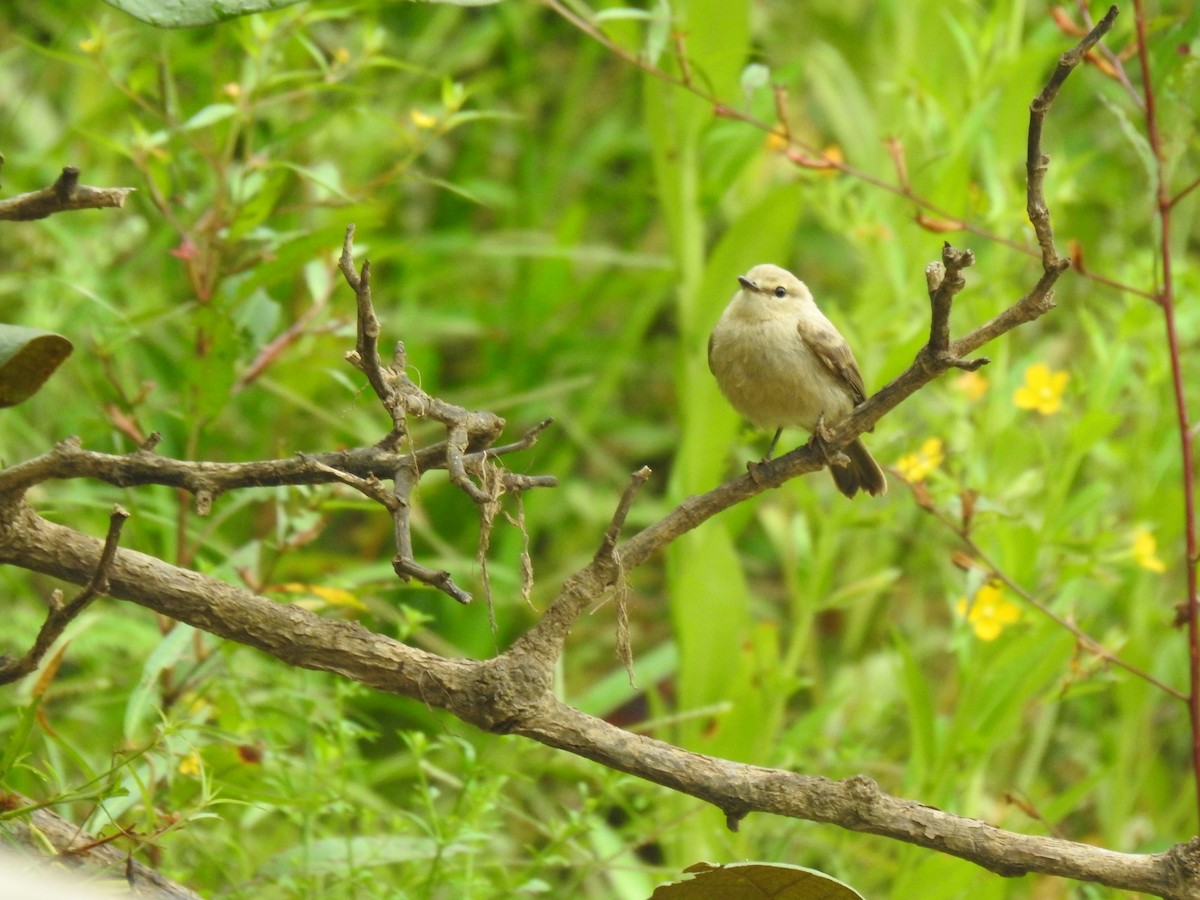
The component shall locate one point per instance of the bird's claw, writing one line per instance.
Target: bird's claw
(819, 442)
(754, 469)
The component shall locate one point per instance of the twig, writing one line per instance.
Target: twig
(143, 467)
(397, 503)
(61, 616)
(65, 195)
(945, 280)
(365, 355)
(1110, 58)
(1179, 195)
(404, 563)
(469, 435)
(1036, 162)
(613, 532)
(607, 557)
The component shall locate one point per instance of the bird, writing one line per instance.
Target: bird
(781, 363)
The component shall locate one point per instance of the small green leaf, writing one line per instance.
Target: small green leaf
(18, 741)
(210, 115)
(27, 358)
(614, 15)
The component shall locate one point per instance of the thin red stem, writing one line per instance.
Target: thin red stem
(1166, 299)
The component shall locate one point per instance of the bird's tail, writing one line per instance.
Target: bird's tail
(863, 473)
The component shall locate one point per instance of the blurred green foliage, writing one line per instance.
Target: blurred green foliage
(553, 233)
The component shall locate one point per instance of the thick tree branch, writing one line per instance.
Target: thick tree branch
(512, 694)
(857, 804)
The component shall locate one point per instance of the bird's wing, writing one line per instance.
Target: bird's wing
(833, 351)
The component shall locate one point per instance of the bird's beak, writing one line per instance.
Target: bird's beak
(747, 284)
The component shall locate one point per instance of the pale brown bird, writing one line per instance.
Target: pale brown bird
(781, 363)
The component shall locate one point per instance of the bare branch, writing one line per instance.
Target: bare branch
(467, 431)
(404, 563)
(365, 356)
(65, 195)
(858, 804)
(512, 694)
(1036, 162)
(945, 280)
(608, 558)
(60, 616)
(142, 467)
(636, 480)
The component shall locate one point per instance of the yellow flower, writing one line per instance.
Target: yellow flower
(1043, 389)
(190, 764)
(972, 384)
(777, 139)
(90, 45)
(1145, 551)
(920, 465)
(988, 612)
(422, 119)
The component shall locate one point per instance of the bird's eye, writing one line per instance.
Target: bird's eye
(781, 291)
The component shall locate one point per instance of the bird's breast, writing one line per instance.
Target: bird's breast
(771, 376)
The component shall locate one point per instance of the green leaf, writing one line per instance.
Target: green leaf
(19, 739)
(260, 204)
(334, 855)
(774, 880)
(145, 696)
(27, 358)
(210, 115)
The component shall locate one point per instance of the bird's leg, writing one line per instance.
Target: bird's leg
(752, 467)
(774, 441)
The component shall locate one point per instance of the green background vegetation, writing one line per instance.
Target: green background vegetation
(553, 233)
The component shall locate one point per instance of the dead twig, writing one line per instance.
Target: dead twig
(60, 615)
(65, 195)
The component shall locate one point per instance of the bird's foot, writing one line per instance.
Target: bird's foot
(819, 442)
(755, 469)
